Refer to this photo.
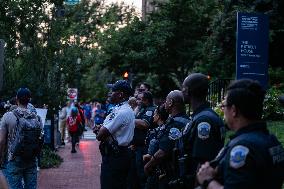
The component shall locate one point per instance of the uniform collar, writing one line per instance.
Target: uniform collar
(179, 115)
(201, 108)
(171, 118)
(258, 126)
(121, 103)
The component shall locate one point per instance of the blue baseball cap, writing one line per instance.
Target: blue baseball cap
(23, 93)
(74, 110)
(122, 85)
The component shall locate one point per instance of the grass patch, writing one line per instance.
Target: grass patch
(277, 128)
(49, 158)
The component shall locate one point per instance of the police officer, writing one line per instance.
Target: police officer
(163, 158)
(143, 122)
(160, 117)
(204, 136)
(253, 158)
(115, 136)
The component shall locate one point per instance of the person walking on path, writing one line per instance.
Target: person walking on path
(63, 114)
(73, 122)
(16, 150)
(115, 136)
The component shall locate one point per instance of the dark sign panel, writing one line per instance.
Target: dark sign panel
(252, 47)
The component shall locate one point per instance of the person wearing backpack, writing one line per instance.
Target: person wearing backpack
(73, 122)
(20, 143)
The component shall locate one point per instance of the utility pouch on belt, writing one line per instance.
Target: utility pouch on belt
(109, 147)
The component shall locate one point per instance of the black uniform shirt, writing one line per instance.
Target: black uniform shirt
(165, 143)
(253, 160)
(206, 137)
(145, 114)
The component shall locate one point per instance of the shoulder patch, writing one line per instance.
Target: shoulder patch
(149, 113)
(238, 156)
(111, 116)
(174, 134)
(203, 130)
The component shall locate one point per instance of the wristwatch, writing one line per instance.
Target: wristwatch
(206, 183)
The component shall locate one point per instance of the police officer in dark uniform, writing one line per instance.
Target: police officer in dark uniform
(143, 122)
(253, 158)
(160, 117)
(163, 159)
(204, 136)
(115, 136)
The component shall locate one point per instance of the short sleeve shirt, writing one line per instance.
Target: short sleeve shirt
(247, 162)
(206, 140)
(146, 114)
(165, 143)
(120, 123)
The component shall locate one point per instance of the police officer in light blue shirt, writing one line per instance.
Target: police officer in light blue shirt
(115, 136)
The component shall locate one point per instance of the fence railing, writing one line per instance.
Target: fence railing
(217, 91)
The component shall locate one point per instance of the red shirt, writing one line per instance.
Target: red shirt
(73, 123)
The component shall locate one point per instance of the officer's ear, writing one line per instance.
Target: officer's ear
(235, 111)
(120, 95)
(171, 102)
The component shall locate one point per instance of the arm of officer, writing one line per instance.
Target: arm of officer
(205, 177)
(145, 121)
(141, 124)
(156, 158)
(103, 134)
(112, 125)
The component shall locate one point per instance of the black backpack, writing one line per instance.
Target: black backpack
(28, 136)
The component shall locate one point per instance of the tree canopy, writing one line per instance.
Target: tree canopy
(51, 46)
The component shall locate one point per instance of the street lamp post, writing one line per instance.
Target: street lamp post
(78, 66)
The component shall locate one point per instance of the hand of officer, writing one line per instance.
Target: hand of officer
(205, 172)
(147, 157)
(97, 128)
(132, 147)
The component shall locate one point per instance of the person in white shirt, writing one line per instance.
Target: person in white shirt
(115, 136)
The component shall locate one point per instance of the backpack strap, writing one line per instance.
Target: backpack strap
(18, 116)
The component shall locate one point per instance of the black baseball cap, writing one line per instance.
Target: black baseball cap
(122, 85)
(23, 93)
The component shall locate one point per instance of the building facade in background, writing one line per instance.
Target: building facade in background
(149, 6)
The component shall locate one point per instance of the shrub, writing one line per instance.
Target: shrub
(49, 158)
(272, 109)
(218, 110)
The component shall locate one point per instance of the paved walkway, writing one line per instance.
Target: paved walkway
(80, 170)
